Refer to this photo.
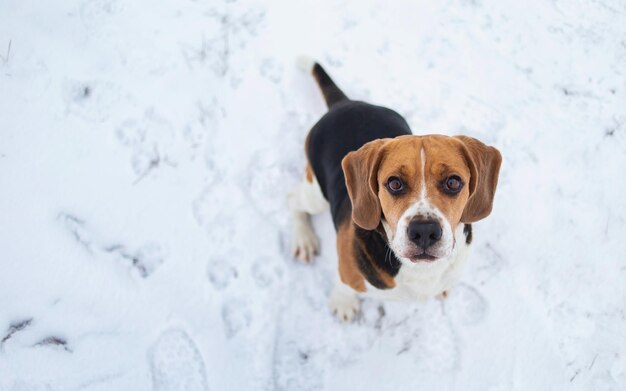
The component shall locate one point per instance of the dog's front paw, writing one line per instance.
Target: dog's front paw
(344, 303)
(305, 244)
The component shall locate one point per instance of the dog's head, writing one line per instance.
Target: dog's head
(420, 188)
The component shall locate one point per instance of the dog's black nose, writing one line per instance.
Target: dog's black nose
(424, 233)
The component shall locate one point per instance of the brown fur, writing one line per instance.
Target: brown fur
(308, 174)
(387, 280)
(368, 169)
(348, 268)
(347, 244)
(360, 169)
(484, 162)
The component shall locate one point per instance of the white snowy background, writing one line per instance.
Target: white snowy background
(146, 149)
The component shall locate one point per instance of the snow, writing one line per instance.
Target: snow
(146, 149)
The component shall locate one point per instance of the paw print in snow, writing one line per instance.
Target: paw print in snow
(264, 272)
(435, 342)
(465, 305)
(271, 69)
(221, 274)
(91, 100)
(236, 316)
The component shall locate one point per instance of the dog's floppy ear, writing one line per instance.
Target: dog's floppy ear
(360, 168)
(484, 164)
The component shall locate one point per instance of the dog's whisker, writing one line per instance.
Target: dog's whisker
(388, 253)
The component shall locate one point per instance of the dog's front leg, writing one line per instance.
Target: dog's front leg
(344, 302)
(305, 200)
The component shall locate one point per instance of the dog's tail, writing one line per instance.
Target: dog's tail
(332, 93)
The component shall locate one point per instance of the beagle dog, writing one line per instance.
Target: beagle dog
(402, 205)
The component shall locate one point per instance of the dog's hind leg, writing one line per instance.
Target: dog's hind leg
(305, 200)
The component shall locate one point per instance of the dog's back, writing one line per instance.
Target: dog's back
(346, 127)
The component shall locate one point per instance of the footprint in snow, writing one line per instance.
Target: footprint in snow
(264, 273)
(236, 316)
(220, 274)
(465, 305)
(151, 140)
(271, 69)
(176, 363)
(91, 100)
(96, 17)
(267, 180)
(435, 342)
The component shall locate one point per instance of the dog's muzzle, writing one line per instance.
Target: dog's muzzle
(423, 234)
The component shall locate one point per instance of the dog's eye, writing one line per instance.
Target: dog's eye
(453, 184)
(395, 185)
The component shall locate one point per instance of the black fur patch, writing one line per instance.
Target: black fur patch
(467, 230)
(346, 127)
(373, 254)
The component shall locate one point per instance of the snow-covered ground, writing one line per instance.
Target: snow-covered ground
(146, 149)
